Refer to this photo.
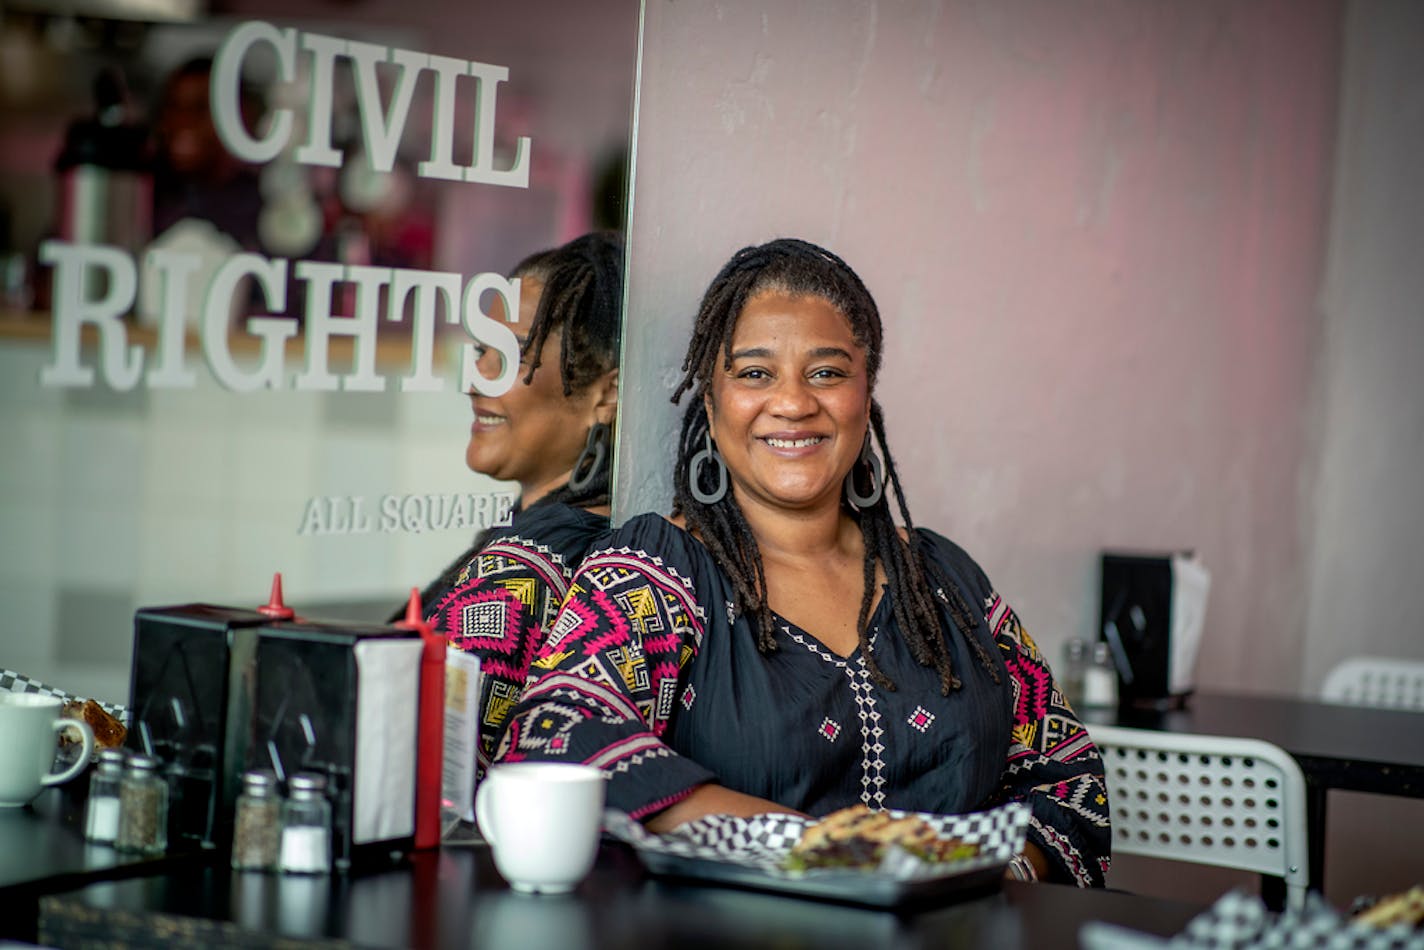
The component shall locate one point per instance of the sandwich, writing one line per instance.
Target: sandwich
(857, 837)
(1406, 907)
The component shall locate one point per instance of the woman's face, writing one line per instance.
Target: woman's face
(790, 416)
(533, 433)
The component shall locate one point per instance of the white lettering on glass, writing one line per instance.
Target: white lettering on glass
(79, 268)
(381, 128)
(415, 514)
(96, 285)
(225, 93)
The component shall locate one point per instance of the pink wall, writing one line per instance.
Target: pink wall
(1095, 231)
(1365, 595)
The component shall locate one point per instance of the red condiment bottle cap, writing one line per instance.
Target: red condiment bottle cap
(414, 616)
(274, 607)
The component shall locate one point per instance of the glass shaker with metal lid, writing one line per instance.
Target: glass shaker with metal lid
(257, 828)
(101, 814)
(143, 808)
(306, 826)
(1100, 679)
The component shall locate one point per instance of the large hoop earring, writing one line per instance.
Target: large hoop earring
(591, 461)
(877, 481)
(694, 474)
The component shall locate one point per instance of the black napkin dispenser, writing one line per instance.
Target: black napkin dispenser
(340, 700)
(216, 691)
(180, 691)
(1151, 615)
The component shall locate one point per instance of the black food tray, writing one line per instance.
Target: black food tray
(750, 852)
(979, 876)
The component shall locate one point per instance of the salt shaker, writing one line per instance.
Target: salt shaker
(257, 827)
(1100, 679)
(306, 827)
(143, 808)
(101, 814)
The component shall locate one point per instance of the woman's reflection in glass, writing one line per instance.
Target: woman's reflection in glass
(553, 434)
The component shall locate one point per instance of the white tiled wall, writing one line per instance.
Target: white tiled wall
(110, 501)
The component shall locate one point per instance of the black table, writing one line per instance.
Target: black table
(42, 849)
(1353, 748)
(453, 897)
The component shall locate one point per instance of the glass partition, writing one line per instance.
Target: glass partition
(250, 263)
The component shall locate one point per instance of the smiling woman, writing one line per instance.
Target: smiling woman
(780, 643)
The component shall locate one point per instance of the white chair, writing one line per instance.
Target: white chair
(1235, 803)
(1376, 681)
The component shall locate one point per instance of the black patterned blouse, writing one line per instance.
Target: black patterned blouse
(506, 595)
(649, 673)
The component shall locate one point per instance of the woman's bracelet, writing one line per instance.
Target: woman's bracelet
(1021, 868)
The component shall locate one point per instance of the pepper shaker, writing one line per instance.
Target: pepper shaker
(257, 828)
(306, 826)
(143, 808)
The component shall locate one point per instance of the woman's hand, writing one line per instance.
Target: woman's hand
(713, 800)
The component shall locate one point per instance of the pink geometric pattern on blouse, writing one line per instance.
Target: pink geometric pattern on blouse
(921, 719)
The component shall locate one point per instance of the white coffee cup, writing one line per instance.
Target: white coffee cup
(543, 820)
(29, 736)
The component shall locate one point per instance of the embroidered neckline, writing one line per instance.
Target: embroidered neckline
(806, 640)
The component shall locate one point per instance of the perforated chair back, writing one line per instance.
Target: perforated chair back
(1234, 803)
(1376, 681)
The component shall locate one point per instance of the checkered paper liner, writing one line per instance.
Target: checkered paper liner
(12, 682)
(762, 842)
(1240, 921)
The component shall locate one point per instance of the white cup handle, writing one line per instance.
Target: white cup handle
(483, 815)
(54, 778)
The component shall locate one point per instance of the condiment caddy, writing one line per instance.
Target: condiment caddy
(288, 744)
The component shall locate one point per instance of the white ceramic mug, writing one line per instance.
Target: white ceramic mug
(543, 820)
(29, 736)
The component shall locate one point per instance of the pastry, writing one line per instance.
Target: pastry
(109, 733)
(857, 837)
